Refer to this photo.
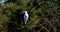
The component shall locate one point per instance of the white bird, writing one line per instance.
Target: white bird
(25, 17)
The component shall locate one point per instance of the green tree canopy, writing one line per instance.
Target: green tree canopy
(44, 16)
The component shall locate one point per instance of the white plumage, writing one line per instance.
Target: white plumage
(25, 17)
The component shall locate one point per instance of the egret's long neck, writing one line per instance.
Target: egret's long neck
(26, 12)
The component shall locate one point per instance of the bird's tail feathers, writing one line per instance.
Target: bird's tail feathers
(25, 22)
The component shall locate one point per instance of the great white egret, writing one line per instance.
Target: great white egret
(25, 17)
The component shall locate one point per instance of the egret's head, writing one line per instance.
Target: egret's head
(25, 11)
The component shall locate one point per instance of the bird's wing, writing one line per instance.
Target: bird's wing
(25, 18)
